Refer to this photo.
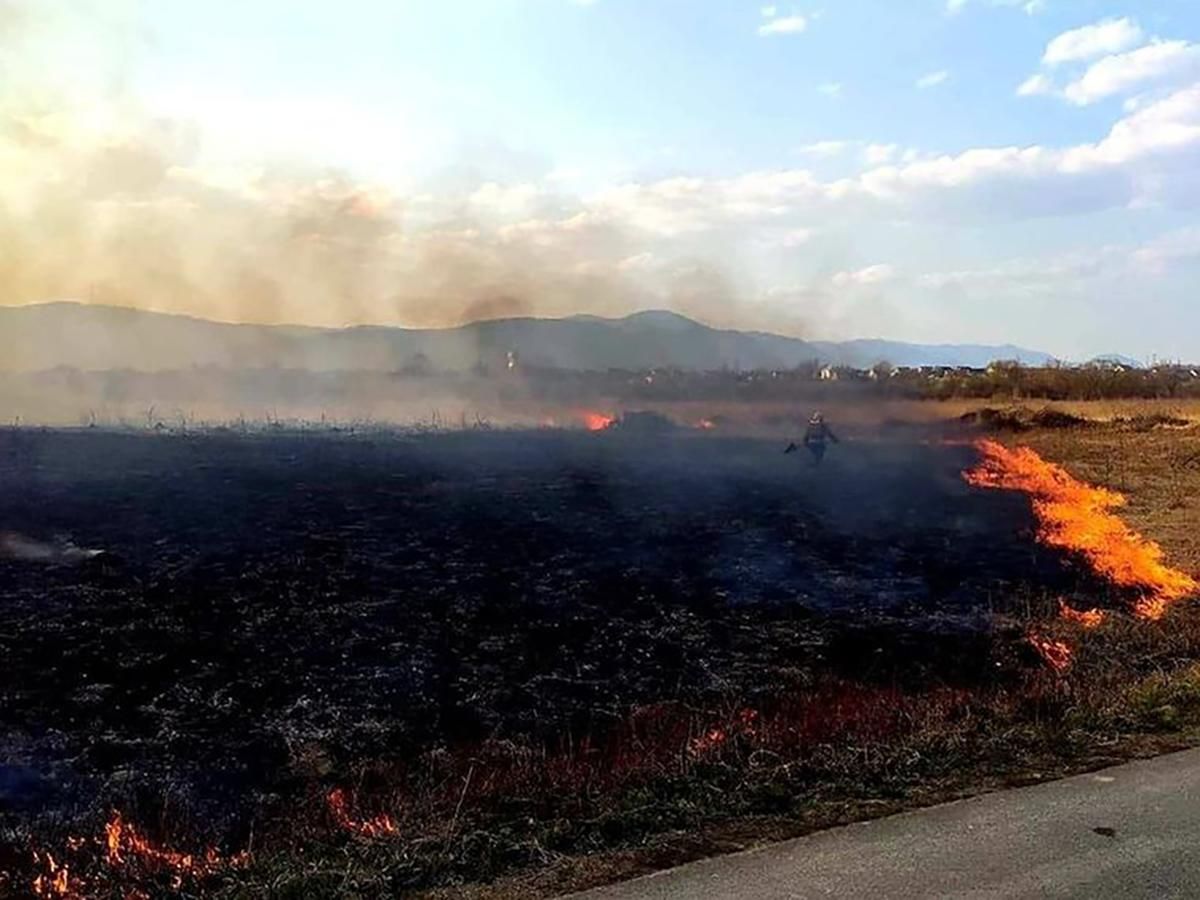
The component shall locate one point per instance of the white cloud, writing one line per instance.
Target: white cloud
(1099, 39)
(878, 154)
(498, 203)
(933, 79)
(826, 149)
(1157, 255)
(1029, 7)
(793, 24)
(793, 238)
(1034, 85)
(1057, 274)
(830, 88)
(1111, 57)
(871, 275)
(1124, 72)
(1146, 157)
(1044, 275)
(1168, 125)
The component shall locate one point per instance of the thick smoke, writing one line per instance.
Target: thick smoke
(103, 201)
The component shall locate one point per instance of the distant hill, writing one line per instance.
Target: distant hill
(1114, 359)
(93, 337)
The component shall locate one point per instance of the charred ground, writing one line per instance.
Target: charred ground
(270, 613)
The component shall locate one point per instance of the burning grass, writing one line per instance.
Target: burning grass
(1079, 517)
(122, 861)
(377, 826)
(425, 712)
(811, 756)
(1086, 618)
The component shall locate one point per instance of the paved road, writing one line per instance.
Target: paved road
(1031, 842)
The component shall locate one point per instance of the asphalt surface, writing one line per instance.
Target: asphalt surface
(1130, 832)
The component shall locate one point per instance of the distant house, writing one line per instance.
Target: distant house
(827, 373)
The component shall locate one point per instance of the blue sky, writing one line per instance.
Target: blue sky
(932, 170)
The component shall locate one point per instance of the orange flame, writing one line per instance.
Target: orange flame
(595, 421)
(125, 844)
(1056, 654)
(123, 847)
(55, 881)
(381, 825)
(707, 742)
(742, 724)
(1090, 618)
(1076, 516)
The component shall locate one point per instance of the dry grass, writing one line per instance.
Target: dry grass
(1094, 410)
(857, 410)
(1158, 471)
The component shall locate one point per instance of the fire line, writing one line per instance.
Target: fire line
(1078, 517)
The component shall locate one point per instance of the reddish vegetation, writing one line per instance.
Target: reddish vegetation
(1076, 516)
(742, 725)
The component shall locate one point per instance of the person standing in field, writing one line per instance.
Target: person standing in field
(817, 436)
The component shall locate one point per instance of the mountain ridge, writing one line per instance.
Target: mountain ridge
(94, 337)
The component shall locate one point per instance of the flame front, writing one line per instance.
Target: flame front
(596, 421)
(126, 849)
(124, 843)
(1076, 516)
(381, 825)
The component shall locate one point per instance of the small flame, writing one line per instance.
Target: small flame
(1056, 654)
(125, 847)
(381, 825)
(706, 424)
(742, 724)
(595, 421)
(125, 844)
(1088, 619)
(707, 742)
(55, 881)
(1076, 516)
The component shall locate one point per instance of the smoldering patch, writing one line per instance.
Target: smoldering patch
(15, 546)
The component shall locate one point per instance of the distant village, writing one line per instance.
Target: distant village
(1099, 379)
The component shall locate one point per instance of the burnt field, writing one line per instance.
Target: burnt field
(209, 631)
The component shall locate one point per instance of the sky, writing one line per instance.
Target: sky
(941, 171)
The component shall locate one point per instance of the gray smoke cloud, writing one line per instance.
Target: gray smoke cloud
(103, 201)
